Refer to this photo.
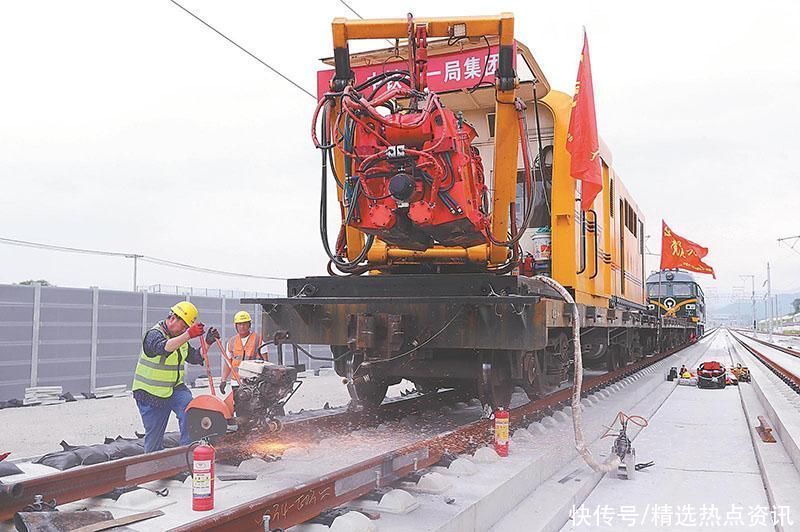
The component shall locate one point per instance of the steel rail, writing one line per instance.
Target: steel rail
(296, 505)
(792, 380)
(780, 348)
(94, 480)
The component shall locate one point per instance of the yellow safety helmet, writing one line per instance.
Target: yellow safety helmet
(185, 311)
(241, 317)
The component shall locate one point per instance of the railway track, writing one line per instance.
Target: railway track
(94, 480)
(298, 504)
(780, 368)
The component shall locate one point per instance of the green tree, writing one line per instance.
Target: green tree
(42, 282)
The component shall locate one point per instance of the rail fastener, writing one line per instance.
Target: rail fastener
(765, 431)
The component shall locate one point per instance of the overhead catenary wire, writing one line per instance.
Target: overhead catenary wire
(795, 240)
(201, 269)
(139, 256)
(245, 50)
(353, 11)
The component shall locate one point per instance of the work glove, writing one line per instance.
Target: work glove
(196, 330)
(212, 335)
(222, 386)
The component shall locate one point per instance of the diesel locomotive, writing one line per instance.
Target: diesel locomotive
(676, 294)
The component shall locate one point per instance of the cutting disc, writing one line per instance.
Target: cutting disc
(202, 423)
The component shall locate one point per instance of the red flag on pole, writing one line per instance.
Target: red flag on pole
(582, 140)
(679, 252)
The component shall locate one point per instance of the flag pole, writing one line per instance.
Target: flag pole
(658, 326)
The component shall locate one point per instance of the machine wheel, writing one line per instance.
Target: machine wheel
(202, 423)
(274, 425)
(593, 355)
(369, 394)
(534, 377)
(494, 383)
(553, 365)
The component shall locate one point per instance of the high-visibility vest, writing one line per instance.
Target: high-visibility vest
(241, 350)
(244, 350)
(159, 375)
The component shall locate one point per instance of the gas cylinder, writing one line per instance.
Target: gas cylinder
(501, 431)
(203, 477)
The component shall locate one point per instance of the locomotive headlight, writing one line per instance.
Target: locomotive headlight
(691, 306)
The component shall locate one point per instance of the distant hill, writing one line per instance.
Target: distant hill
(742, 309)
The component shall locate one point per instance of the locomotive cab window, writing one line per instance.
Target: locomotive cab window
(542, 191)
(681, 290)
(490, 122)
(656, 290)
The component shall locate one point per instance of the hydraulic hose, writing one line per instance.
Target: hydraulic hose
(577, 414)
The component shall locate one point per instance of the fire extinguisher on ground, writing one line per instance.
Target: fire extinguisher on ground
(203, 477)
(501, 431)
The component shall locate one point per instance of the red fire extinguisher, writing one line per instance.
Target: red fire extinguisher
(203, 477)
(501, 431)
(526, 266)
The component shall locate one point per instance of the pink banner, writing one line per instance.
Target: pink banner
(447, 72)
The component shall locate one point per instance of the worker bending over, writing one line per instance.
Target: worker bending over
(158, 382)
(241, 346)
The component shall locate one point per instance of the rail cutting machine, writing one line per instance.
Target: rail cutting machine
(255, 404)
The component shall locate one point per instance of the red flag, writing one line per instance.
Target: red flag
(582, 140)
(679, 252)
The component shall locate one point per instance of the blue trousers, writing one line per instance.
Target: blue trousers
(155, 419)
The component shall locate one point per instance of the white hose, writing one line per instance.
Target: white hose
(577, 414)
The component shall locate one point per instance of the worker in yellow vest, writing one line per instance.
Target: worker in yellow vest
(241, 346)
(158, 382)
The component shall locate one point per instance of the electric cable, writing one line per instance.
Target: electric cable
(245, 50)
(143, 258)
(420, 345)
(353, 11)
(541, 156)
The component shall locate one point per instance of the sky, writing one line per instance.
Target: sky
(129, 126)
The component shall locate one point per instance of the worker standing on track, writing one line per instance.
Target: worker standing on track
(158, 382)
(241, 346)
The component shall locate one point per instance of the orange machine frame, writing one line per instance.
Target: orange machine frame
(506, 129)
